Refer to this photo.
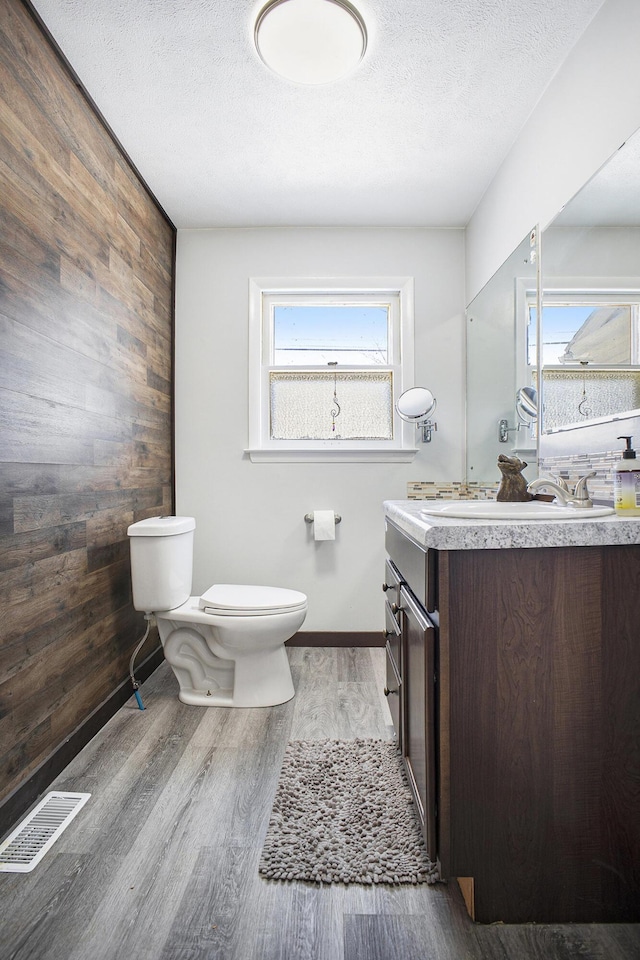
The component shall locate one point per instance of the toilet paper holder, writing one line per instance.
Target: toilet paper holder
(308, 518)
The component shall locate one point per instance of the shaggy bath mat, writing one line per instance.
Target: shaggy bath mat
(343, 813)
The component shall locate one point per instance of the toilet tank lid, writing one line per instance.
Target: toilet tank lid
(161, 527)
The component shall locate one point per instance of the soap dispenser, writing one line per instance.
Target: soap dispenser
(626, 483)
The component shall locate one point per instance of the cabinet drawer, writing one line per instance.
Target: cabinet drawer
(415, 565)
(393, 694)
(392, 584)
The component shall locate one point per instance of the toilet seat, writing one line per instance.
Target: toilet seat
(248, 600)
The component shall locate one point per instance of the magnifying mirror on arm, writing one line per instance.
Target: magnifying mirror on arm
(416, 405)
(527, 405)
(526, 412)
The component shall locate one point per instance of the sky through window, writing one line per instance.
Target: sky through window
(356, 334)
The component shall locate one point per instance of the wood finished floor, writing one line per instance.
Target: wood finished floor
(162, 863)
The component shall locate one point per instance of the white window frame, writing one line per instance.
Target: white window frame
(262, 291)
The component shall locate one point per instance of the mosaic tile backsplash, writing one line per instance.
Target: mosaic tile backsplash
(569, 468)
(573, 467)
(456, 490)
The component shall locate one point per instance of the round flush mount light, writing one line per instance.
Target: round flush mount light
(310, 41)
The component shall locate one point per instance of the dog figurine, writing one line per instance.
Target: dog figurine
(513, 486)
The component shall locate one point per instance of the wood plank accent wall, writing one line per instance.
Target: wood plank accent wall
(86, 319)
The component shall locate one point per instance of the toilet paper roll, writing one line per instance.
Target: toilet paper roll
(324, 525)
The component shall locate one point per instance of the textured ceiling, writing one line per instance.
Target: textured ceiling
(412, 138)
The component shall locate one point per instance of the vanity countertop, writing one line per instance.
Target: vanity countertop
(447, 533)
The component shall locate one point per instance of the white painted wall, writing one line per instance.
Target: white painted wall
(590, 108)
(250, 516)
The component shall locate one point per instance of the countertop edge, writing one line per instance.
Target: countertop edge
(448, 533)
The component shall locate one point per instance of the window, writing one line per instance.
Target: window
(328, 359)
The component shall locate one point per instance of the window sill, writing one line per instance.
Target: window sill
(308, 455)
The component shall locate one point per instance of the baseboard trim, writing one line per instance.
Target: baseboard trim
(23, 796)
(336, 638)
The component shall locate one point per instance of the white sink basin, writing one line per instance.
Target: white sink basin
(497, 510)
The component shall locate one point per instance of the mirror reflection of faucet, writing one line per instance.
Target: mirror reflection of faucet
(579, 498)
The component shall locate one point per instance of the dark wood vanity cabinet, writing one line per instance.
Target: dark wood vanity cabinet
(519, 717)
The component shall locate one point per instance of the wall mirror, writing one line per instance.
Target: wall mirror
(501, 378)
(590, 278)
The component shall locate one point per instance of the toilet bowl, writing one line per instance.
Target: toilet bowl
(225, 647)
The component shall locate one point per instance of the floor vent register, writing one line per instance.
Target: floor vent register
(25, 847)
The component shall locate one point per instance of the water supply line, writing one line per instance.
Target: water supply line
(149, 618)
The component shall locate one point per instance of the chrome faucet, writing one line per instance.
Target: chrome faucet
(579, 498)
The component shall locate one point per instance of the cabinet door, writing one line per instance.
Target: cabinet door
(393, 693)
(419, 742)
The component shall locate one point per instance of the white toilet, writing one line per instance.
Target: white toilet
(226, 647)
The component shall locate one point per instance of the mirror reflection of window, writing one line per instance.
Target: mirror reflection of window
(576, 395)
(532, 335)
(590, 347)
(589, 333)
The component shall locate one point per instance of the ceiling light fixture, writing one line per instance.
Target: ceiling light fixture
(311, 41)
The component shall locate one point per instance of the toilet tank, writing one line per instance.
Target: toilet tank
(161, 562)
